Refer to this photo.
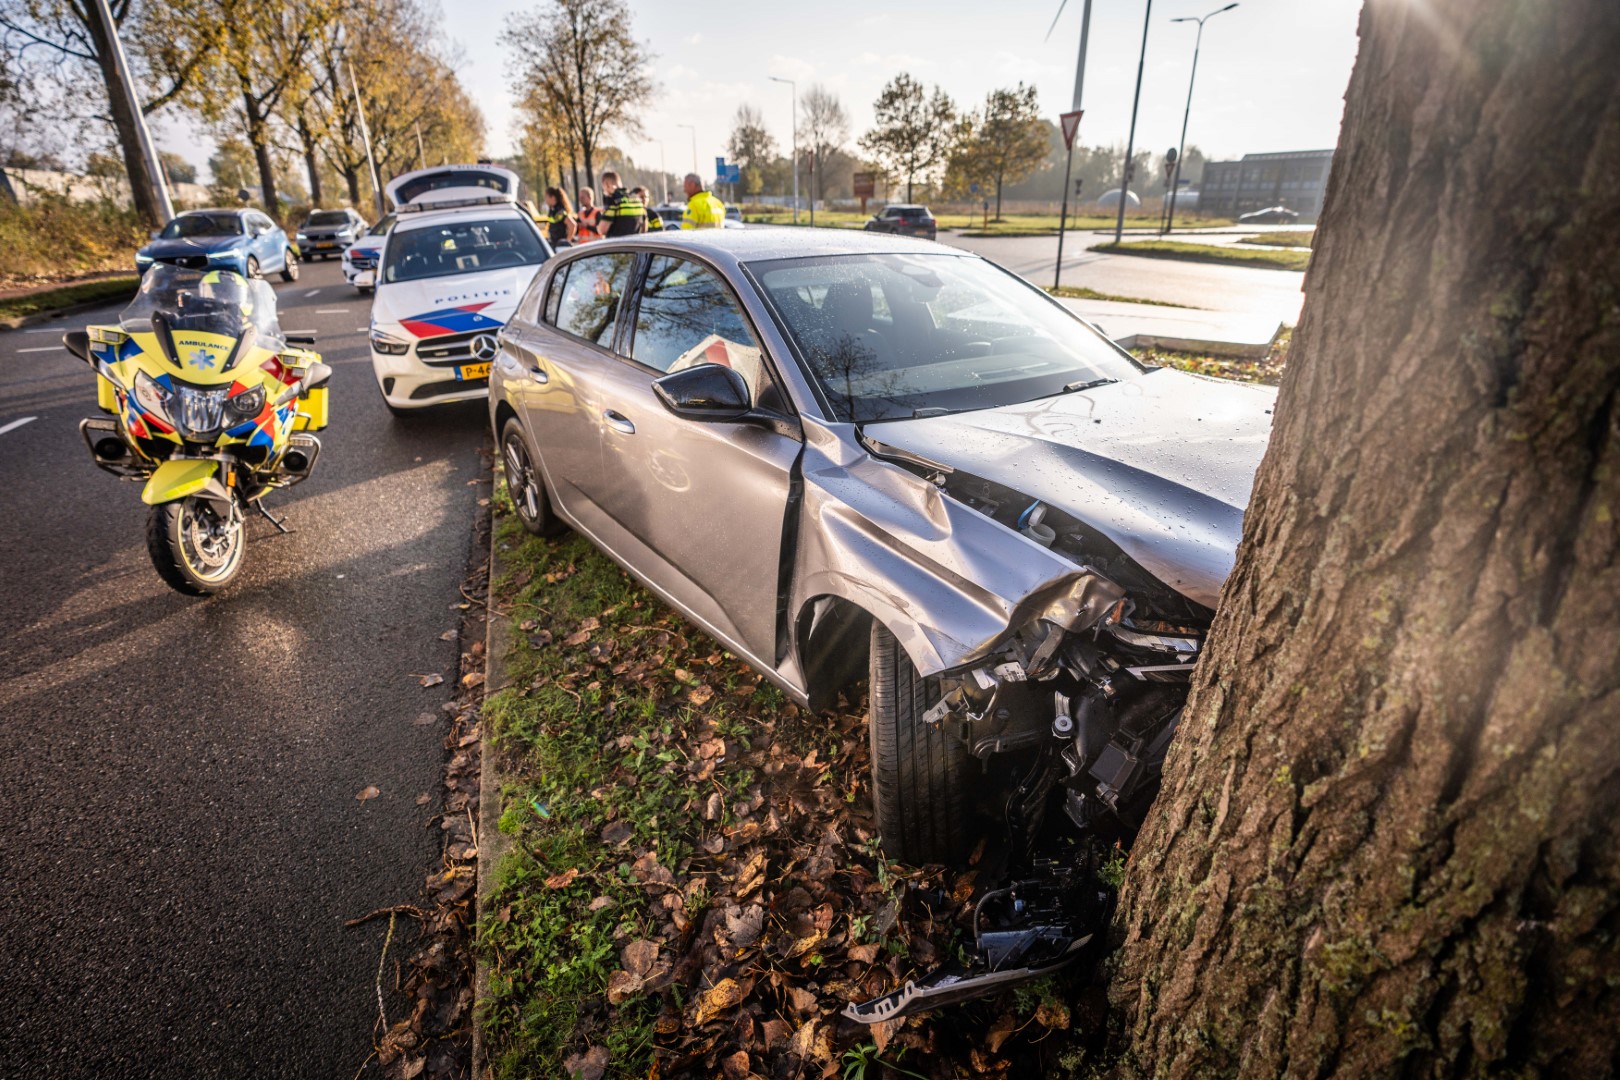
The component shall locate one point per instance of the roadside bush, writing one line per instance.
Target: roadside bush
(56, 238)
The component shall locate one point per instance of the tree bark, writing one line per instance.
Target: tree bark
(259, 140)
(1388, 841)
(311, 165)
(351, 177)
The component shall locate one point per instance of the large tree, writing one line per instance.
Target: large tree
(1004, 141)
(1388, 842)
(823, 130)
(751, 147)
(580, 62)
(913, 131)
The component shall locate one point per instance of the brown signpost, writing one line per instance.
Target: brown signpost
(865, 184)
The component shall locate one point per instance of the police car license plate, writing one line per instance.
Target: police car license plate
(472, 371)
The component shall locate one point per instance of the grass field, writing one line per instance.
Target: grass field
(1071, 292)
(58, 240)
(972, 224)
(1300, 239)
(116, 288)
(1264, 258)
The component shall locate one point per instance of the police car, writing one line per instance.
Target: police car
(360, 257)
(460, 255)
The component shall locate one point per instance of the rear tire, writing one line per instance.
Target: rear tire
(191, 549)
(921, 775)
(525, 484)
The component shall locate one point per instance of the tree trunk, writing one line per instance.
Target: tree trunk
(1387, 841)
(258, 138)
(998, 196)
(351, 177)
(142, 192)
(310, 163)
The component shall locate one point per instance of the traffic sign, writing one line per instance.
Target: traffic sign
(1071, 124)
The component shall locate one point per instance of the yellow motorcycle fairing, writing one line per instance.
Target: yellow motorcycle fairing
(177, 478)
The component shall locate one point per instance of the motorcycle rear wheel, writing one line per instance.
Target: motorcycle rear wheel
(193, 550)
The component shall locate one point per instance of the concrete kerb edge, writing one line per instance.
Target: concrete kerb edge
(1241, 350)
(492, 843)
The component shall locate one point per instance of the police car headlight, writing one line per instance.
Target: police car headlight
(389, 346)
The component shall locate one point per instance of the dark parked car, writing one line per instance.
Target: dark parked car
(328, 233)
(872, 457)
(905, 220)
(245, 241)
(1271, 215)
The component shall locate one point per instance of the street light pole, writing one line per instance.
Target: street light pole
(663, 172)
(365, 134)
(1130, 140)
(1068, 167)
(794, 88)
(1198, 43)
(149, 158)
(693, 130)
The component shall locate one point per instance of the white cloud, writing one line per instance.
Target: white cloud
(694, 39)
(791, 67)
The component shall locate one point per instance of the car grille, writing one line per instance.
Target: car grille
(362, 260)
(446, 387)
(451, 349)
(190, 262)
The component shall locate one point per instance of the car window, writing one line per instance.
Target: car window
(688, 316)
(328, 217)
(202, 225)
(461, 247)
(588, 301)
(889, 336)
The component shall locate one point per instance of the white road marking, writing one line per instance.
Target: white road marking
(15, 424)
(332, 311)
(47, 330)
(312, 292)
(45, 348)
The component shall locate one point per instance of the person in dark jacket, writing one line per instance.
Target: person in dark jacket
(559, 218)
(622, 213)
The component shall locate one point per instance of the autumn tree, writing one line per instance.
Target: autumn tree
(912, 135)
(580, 62)
(1004, 141)
(823, 130)
(751, 146)
(166, 48)
(1388, 842)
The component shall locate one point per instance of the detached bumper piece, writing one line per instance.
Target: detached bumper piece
(1021, 933)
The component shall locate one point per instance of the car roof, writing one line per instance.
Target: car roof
(219, 210)
(736, 246)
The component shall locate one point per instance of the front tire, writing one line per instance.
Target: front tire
(921, 774)
(252, 268)
(289, 266)
(525, 485)
(192, 548)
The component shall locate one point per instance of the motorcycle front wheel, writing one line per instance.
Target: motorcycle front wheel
(194, 549)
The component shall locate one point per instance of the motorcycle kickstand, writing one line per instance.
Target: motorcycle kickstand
(271, 518)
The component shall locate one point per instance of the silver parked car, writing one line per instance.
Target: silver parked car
(849, 455)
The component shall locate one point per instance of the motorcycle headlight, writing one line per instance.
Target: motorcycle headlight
(389, 346)
(248, 404)
(199, 414)
(153, 398)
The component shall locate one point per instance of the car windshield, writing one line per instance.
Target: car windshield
(461, 247)
(328, 217)
(189, 225)
(382, 226)
(894, 336)
(209, 301)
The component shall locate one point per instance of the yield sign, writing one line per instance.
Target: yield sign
(1071, 124)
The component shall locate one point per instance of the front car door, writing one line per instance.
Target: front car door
(565, 352)
(699, 507)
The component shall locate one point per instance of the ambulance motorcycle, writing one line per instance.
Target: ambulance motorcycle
(211, 408)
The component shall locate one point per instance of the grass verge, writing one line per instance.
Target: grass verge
(1268, 259)
(1267, 370)
(54, 238)
(1299, 239)
(693, 887)
(1073, 292)
(117, 288)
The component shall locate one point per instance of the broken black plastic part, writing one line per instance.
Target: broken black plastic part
(952, 985)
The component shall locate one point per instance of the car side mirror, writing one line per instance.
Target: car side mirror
(77, 342)
(155, 233)
(307, 338)
(710, 393)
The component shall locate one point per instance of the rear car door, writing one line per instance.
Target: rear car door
(565, 353)
(698, 505)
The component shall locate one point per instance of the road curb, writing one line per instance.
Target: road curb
(492, 843)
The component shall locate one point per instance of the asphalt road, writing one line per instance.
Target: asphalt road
(1273, 293)
(181, 841)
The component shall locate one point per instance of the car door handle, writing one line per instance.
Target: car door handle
(539, 375)
(619, 422)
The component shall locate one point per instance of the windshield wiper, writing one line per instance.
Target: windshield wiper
(1086, 384)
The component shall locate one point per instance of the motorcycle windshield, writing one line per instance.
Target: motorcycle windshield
(206, 301)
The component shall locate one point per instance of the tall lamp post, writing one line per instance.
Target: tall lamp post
(1198, 43)
(693, 130)
(143, 137)
(1130, 140)
(793, 86)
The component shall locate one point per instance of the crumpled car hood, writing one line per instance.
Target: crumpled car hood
(1162, 464)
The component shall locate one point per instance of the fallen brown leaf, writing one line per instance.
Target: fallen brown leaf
(368, 792)
(591, 1065)
(564, 879)
(723, 996)
(431, 679)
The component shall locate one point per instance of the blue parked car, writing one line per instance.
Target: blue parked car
(242, 240)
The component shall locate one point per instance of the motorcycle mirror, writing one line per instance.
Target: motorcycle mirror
(77, 342)
(305, 338)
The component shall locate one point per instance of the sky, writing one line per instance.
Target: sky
(1271, 74)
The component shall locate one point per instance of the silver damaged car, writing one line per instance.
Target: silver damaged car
(854, 456)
